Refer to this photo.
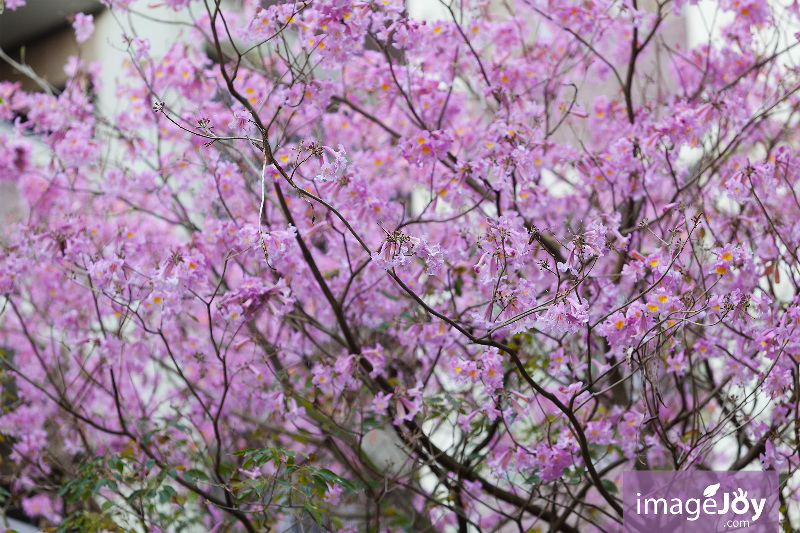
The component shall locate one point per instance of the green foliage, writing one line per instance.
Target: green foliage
(296, 483)
(108, 493)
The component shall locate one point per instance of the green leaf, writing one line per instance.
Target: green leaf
(610, 487)
(311, 508)
(226, 469)
(166, 494)
(115, 463)
(346, 484)
(175, 424)
(328, 475)
(322, 487)
(135, 494)
(195, 474)
(192, 496)
(458, 284)
(247, 451)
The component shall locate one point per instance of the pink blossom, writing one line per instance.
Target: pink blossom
(14, 4)
(84, 27)
(141, 47)
(333, 494)
(241, 121)
(771, 458)
(40, 505)
(380, 403)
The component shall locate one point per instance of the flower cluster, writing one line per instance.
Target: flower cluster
(404, 269)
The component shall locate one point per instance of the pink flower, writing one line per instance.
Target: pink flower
(499, 460)
(322, 376)
(676, 363)
(737, 189)
(465, 421)
(381, 402)
(84, 27)
(241, 121)
(14, 4)
(600, 431)
(407, 405)
(73, 66)
(396, 250)
(40, 505)
(771, 458)
(778, 382)
(491, 369)
(567, 316)
(329, 167)
(254, 296)
(552, 460)
(141, 47)
(333, 494)
(614, 328)
(488, 266)
(376, 358)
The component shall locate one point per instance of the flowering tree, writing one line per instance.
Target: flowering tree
(334, 265)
